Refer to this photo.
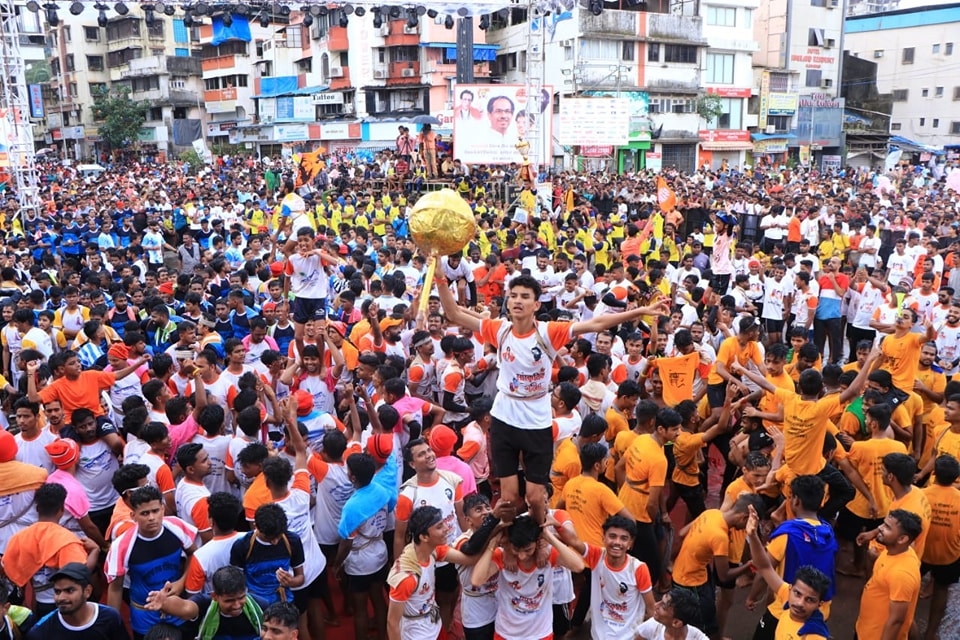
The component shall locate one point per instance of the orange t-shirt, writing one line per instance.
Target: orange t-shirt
(84, 392)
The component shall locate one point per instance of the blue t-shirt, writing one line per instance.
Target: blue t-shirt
(260, 562)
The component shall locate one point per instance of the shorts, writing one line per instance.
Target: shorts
(446, 578)
(773, 326)
(720, 282)
(717, 395)
(944, 575)
(360, 584)
(313, 591)
(725, 584)
(506, 445)
(849, 525)
(305, 309)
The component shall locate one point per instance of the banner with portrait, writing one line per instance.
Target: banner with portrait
(490, 119)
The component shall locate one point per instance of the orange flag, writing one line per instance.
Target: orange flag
(665, 195)
(677, 375)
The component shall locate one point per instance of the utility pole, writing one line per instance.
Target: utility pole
(465, 50)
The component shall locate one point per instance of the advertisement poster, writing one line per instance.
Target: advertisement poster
(594, 121)
(639, 105)
(654, 161)
(489, 120)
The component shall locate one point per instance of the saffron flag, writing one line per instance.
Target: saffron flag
(677, 375)
(310, 165)
(665, 195)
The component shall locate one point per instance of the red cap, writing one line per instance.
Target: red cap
(304, 402)
(276, 269)
(380, 446)
(166, 288)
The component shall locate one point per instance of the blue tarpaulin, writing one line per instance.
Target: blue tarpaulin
(481, 52)
(239, 29)
(277, 86)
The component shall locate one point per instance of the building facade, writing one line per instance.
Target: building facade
(914, 50)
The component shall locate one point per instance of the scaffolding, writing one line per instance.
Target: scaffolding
(15, 127)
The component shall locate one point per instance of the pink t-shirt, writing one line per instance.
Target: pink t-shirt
(77, 503)
(462, 469)
(182, 433)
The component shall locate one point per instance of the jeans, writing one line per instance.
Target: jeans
(829, 328)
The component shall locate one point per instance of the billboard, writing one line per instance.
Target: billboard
(639, 102)
(594, 121)
(489, 120)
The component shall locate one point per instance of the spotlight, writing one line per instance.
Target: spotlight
(33, 6)
(596, 7)
(102, 15)
(308, 19)
(344, 20)
(432, 13)
(394, 12)
(322, 10)
(412, 19)
(377, 17)
(462, 12)
(50, 10)
(76, 8)
(228, 19)
(448, 22)
(359, 12)
(264, 19)
(347, 9)
(484, 22)
(121, 8)
(187, 19)
(158, 7)
(169, 10)
(421, 10)
(285, 11)
(149, 17)
(243, 10)
(201, 9)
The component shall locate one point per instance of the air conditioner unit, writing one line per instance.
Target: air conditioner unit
(385, 30)
(411, 31)
(878, 53)
(830, 43)
(771, 129)
(336, 72)
(826, 84)
(380, 74)
(833, 4)
(316, 32)
(566, 43)
(349, 108)
(408, 73)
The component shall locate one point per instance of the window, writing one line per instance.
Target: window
(629, 48)
(96, 88)
(412, 54)
(681, 53)
(74, 91)
(779, 82)
(95, 63)
(523, 61)
(150, 83)
(181, 52)
(731, 117)
(900, 95)
(91, 34)
(672, 105)
(70, 65)
(653, 52)
(748, 18)
(936, 123)
(956, 93)
(294, 38)
(878, 53)
(721, 16)
(818, 3)
(567, 52)
(938, 92)
(155, 30)
(178, 82)
(924, 93)
(815, 38)
(180, 34)
(923, 121)
(894, 126)
(936, 48)
(601, 50)
(66, 35)
(720, 68)
(954, 128)
(813, 78)
(780, 124)
(122, 57)
(259, 48)
(948, 49)
(907, 55)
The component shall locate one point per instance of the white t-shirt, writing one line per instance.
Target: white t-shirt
(653, 630)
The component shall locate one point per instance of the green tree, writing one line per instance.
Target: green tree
(192, 158)
(709, 106)
(37, 72)
(121, 118)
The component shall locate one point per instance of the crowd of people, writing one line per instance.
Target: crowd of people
(228, 415)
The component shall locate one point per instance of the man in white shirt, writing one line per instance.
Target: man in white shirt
(900, 264)
(774, 225)
(673, 617)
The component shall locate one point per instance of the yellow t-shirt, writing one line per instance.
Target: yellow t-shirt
(902, 358)
(895, 579)
(787, 627)
(646, 467)
(708, 538)
(686, 452)
(867, 458)
(566, 465)
(731, 350)
(804, 426)
(589, 503)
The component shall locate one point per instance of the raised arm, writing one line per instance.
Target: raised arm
(455, 313)
(606, 321)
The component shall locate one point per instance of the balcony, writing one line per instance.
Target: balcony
(674, 85)
(675, 29)
(403, 73)
(337, 39)
(610, 24)
(219, 63)
(400, 35)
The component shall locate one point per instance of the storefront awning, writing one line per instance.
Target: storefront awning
(284, 92)
(911, 146)
(772, 136)
(726, 145)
